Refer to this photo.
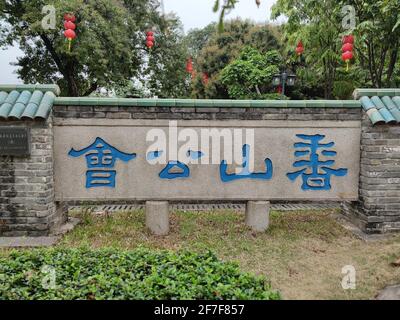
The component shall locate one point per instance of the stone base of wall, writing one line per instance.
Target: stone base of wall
(370, 224)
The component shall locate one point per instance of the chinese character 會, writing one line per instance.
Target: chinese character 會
(101, 158)
(316, 173)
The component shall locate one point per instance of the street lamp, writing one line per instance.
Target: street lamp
(284, 79)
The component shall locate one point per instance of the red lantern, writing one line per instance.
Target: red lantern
(300, 48)
(189, 66)
(69, 25)
(346, 57)
(150, 39)
(70, 34)
(69, 17)
(347, 47)
(149, 44)
(205, 78)
(348, 39)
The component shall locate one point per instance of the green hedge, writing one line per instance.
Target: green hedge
(116, 274)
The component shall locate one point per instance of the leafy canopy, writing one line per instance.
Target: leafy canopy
(109, 49)
(250, 75)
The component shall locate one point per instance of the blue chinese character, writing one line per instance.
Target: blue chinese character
(317, 174)
(101, 157)
(245, 173)
(169, 172)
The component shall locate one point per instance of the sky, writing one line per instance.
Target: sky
(193, 14)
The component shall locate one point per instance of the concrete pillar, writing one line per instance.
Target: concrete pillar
(257, 215)
(157, 217)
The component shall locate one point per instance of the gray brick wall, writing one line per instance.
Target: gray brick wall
(378, 210)
(115, 112)
(27, 188)
(27, 205)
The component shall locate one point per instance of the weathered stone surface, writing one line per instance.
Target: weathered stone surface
(378, 210)
(27, 242)
(139, 180)
(157, 217)
(27, 206)
(390, 293)
(257, 215)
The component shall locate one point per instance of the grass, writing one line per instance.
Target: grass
(302, 253)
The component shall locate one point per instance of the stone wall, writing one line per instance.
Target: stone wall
(27, 206)
(378, 210)
(187, 113)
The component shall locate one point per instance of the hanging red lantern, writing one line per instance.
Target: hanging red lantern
(189, 66)
(149, 44)
(300, 48)
(150, 39)
(347, 47)
(69, 17)
(70, 34)
(205, 78)
(346, 57)
(348, 39)
(69, 26)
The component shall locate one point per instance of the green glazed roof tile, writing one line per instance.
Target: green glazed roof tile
(375, 116)
(27, 101)
(387, 115)
(384, 102)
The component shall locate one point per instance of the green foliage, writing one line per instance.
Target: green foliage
(250, 76)
(319, 25)
(223, 6)
(114, 274)
(224, 47)
(196, 39)
(109, 49)
(165, 75)
(378, 39)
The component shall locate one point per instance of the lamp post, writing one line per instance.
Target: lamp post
(284, 79)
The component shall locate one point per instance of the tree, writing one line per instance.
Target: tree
(319, 24)
(108, 52)
(197, 39)
(250, 75)
(222, 48)
(165, 75)
(378, 38)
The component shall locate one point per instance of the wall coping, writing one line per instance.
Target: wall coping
(199, 103)
(31, 87)
(359, 93)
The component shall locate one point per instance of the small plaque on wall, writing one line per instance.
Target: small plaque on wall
(14, 141)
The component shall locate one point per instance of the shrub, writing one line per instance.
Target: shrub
(115, 274)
